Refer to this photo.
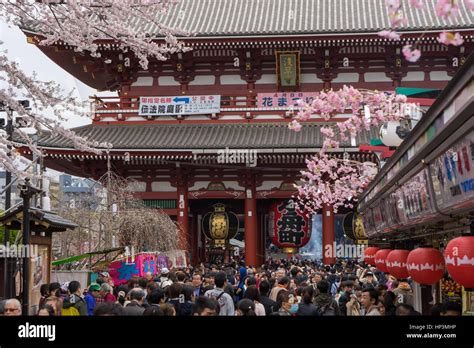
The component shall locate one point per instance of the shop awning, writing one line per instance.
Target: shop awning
(84, 256)
(418, 92)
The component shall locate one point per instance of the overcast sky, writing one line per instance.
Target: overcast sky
(32, 59)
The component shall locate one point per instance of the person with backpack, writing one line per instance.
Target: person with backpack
(226, 303)
(404, 293)
(74, 305)
(324, 302)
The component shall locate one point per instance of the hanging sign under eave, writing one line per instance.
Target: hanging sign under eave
(180, 105)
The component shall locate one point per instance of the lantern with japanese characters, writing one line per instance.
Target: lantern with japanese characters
(379, 259)
(369, 255)
(459, 257)
(396, 263)
(290, 228)
(425, 265)
(220, 226)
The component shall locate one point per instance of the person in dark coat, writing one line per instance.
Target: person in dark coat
(135, 307)
(306, 306)
(268, 304)
(324, 302)
(347, 286)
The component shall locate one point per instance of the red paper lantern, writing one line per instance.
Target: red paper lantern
(459, 257)
(291, 228)
(379, 259)
(425, 265)
(369, 255)
(396, 263)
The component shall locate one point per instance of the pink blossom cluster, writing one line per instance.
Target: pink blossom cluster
(81, 24)
(43, 96)
(443, 8)
(333, 181)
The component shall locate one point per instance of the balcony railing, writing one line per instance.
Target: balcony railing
(129, 106)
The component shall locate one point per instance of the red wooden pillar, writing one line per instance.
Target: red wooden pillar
(258, 242)
(328, 236)
(194, 241)
(183, 208)
(250, 224)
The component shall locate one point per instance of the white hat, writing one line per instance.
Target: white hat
(165, 270)
(65, 286)
(166, 283)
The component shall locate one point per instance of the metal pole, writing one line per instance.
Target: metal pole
(26, 195)
(7, 284)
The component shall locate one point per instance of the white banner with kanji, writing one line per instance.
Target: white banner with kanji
(180, 105)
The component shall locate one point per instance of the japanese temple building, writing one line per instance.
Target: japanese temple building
(175, 127)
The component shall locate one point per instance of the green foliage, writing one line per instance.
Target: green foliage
(13, 235)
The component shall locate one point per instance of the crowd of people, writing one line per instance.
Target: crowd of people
(278, 288)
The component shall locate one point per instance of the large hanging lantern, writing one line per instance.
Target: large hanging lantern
(290, 228)
(459, 257)
(390, 134)
(396, 263)
(425, 265)
(369, 255)
(379, 259)
(354, 228)
(220, 226)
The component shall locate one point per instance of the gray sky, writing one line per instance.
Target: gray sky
(32, 59)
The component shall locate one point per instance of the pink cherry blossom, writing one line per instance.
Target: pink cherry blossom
(447, 8)
(469, 4)
(388, 34)
(392, 5)
(295, 126)
(412, 55)
(331, 180)
(397, 19)
(449, 38)
(417, 3)
(89, 21)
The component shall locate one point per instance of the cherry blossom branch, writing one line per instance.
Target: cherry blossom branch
(332, 181)
(88, 22)
(46, 97)
(444, 9)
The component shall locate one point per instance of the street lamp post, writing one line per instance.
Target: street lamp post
(7, 293)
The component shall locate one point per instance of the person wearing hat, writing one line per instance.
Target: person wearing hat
(90, 298)
(104, 277)
(164, 280)
(106, 293)
(368, 279)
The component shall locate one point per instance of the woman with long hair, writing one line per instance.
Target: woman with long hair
(245, 308)
(253, 294)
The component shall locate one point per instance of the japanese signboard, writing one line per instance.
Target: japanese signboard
(291, 228)
(283, 99)
(288, 69)
(180, 105)
(452, 174)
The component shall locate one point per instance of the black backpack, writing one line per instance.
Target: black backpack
(328, 310)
